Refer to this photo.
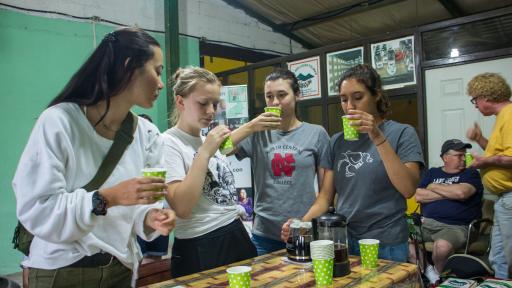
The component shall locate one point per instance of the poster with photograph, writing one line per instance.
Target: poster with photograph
(233, 111)
(394, 61)
(338, 62)
(307, 72)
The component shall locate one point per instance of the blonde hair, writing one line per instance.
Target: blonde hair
(186, 80)
(490, 86)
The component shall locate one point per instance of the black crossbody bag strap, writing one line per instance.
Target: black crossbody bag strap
(123, 138)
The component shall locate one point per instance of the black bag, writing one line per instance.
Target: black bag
(22, 238)
(465, 266)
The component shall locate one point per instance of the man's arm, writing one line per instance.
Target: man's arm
(426, 196)
(460, 191)
(495, 160)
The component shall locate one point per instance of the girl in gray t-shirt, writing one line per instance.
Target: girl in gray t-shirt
(285, 161)
(373, 175)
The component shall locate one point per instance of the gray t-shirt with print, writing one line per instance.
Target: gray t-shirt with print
(373, 206)
(284, 166)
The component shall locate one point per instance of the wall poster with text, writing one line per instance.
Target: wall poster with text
(394, 61)
(307, 72)
(338, 62)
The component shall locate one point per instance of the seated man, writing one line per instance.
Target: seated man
(450, 198)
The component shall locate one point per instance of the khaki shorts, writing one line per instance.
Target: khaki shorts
(112, 275)
(434, 230)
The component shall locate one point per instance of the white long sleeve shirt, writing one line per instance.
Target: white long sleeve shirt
(62, 155)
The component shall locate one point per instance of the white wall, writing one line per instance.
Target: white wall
(146, 14)
(212, 19)
(216, 20)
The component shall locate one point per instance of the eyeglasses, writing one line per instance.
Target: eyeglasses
(473, 100)
(458, 155)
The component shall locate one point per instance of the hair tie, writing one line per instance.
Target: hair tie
(110, 37)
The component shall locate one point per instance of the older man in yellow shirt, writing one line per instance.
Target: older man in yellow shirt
(490, 94)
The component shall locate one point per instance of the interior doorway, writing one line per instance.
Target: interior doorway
(449, 111)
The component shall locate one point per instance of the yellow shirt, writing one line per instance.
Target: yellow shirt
(498, 179)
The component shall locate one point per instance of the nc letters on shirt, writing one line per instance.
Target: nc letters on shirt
(283, 163)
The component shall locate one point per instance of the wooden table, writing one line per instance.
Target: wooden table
(273, 270)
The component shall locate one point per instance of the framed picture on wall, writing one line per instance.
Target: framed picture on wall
(394, 61)
(307, 72)
(338, 62)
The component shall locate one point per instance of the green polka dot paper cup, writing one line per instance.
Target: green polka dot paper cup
(239, 276)
(369, 249)
(155, 172)
(226, 146)
(349, 132)
(275, 110)
(323, 269)
(469, 159)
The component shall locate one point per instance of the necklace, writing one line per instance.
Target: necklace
(108, 128)
(102, 123)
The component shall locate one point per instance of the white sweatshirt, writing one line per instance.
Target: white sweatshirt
(63, 153)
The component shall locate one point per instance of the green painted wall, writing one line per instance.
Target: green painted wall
(38, 55)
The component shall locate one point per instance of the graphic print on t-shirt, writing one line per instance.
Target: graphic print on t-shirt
(283, 166)
(283, 163)
(220, 188)
(447, 181)
(353, 161)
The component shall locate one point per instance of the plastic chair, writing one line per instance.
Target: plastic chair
(7, 283)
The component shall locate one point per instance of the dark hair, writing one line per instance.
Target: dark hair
(285, 74)
(366, 75)
(147, 117)
(109, 69)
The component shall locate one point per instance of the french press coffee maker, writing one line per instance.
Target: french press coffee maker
(333, 226)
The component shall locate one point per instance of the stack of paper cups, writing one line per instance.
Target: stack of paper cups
(322, 253)
(322, 249)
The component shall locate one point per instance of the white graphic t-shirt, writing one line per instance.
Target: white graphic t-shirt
(217, 205)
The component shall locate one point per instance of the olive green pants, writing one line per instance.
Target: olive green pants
(114, 274)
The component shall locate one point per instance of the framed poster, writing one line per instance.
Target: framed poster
(394, 61)
(307, 72)
(338, 62)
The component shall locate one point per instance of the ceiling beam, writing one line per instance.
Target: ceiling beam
(268, 22)
(452, 8)
(365, 5)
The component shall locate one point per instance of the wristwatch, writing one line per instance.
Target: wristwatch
(99, 204)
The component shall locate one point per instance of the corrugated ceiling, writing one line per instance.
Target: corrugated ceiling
(316, 23)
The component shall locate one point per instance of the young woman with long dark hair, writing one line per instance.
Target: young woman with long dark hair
(88, 238)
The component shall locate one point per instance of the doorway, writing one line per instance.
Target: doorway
(449, 111)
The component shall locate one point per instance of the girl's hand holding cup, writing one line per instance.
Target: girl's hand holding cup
(265, 121)
(365, 123)
(135, 191)
(214, 139)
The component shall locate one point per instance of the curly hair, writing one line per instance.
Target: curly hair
(490, 86)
